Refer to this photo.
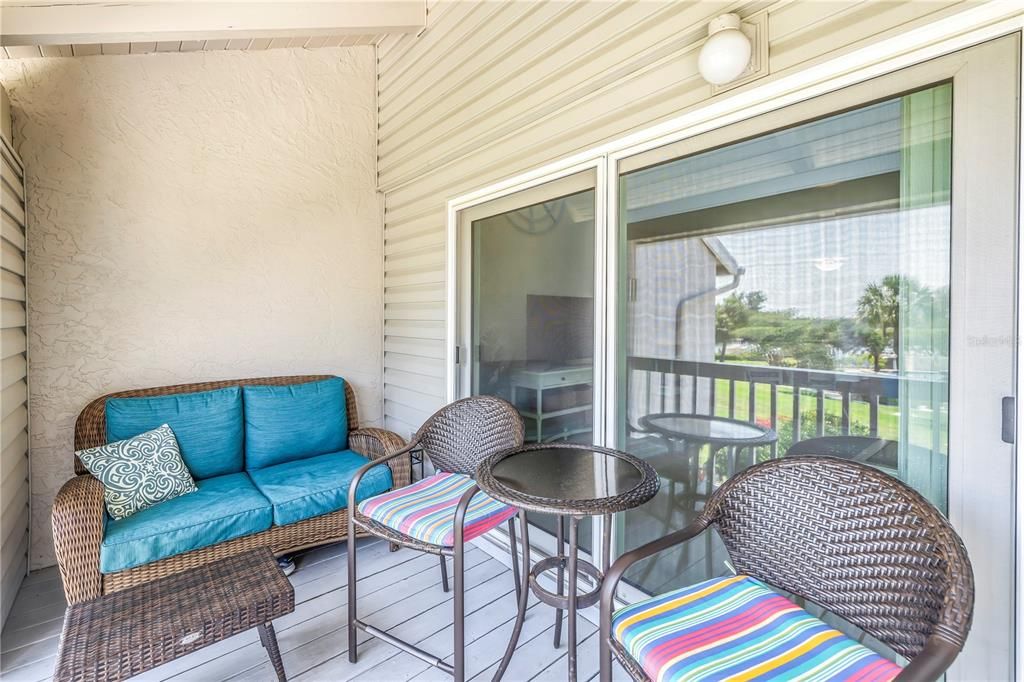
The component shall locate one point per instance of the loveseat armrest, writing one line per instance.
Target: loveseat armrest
(77, 535)
(378, 443)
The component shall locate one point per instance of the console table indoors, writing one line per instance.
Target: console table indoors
(544, 381)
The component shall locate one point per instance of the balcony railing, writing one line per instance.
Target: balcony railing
(663, 385)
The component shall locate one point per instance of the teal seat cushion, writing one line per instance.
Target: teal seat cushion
(208, 426)
(286, 423)
(317, 485)
(223, 508)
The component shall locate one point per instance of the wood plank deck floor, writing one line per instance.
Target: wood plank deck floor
(399, 592)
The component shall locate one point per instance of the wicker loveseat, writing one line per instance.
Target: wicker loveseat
(80, 520)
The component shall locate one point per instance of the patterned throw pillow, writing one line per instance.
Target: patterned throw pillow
(139, 472)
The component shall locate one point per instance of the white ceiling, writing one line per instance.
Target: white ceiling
(145, 47)
(80, 28)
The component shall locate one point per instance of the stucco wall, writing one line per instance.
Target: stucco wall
(194, 216)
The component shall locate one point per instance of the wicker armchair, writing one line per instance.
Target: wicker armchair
(78, 515)
(876, 451)
(855, 541)
(439, 514)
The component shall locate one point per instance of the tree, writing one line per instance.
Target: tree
(785, 340)
(879, 308)
(875, 344)
(732, 314)
(755, 300)
(849, 335)
(924, 327)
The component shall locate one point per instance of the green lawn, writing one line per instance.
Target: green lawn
(888, 415)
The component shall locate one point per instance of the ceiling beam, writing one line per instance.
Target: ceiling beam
(59, 22)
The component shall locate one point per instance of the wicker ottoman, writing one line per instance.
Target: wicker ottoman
(128, 632)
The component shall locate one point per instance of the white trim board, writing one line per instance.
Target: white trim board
(28, 22)
(1018, 476)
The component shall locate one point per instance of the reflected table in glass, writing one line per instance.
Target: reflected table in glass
(695, 431)
(568, 480)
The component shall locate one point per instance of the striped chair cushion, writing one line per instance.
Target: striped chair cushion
(425, 510)
(736, 628)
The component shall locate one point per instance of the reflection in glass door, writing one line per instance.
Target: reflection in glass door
(533, 303)
(784, 295)
(532, 310)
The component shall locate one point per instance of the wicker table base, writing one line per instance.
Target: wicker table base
(126, 633)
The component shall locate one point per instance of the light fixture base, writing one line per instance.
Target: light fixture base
(725, 22)
(756, 29)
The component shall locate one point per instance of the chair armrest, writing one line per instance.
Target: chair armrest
(622, 564)
(381, 444)
(77, 534)
(400, 474)
(931, 662)
(459, 523)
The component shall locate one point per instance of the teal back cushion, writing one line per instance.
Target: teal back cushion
(286, 423)
(208, 426)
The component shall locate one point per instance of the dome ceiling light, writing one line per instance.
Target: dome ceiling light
(732, 52)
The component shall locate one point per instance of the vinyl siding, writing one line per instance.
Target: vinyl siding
(490, 90)
(14, 475)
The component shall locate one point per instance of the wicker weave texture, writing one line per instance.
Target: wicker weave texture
(457, 438)
(124, 634)
(78, 508)
(854, 540)
(464, 433)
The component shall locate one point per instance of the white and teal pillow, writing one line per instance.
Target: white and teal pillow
(139, 472)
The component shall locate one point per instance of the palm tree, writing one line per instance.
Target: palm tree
(879, 307)
(875, 345)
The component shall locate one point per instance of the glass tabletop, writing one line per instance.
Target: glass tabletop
(567, 474)
(705, 428)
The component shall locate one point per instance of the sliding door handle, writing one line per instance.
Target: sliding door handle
(1009, 419)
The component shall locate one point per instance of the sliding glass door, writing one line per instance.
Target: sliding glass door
(836, 277)
(529, 295)
(828, 279)
(788, 289)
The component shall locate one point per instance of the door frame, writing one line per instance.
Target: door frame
(458, 266)
(892, 53)
(459, 285)
(460, 249)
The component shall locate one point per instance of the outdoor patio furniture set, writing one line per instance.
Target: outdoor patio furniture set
(836, 533)
(295, 493)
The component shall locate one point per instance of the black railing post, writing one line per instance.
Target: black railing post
(775, 417)
(752, 402)
(819, 418)
(796, 414)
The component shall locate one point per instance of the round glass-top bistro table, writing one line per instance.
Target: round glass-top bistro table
(568, 480)
(697, 430)
(719, 431)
